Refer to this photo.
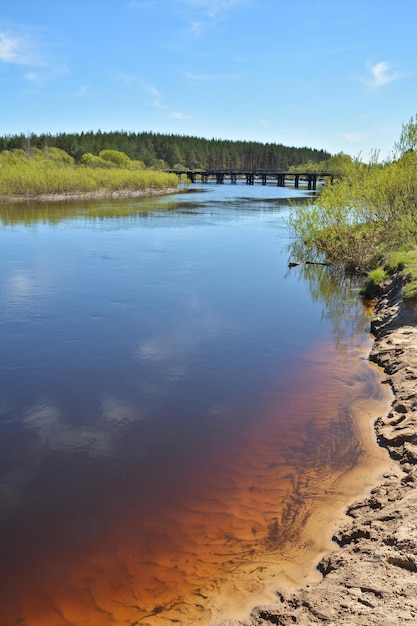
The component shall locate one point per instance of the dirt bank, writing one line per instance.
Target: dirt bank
(371, 576)
(91, 195)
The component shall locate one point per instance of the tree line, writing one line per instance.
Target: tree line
(171, 151)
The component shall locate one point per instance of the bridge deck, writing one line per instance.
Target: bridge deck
(252, 175)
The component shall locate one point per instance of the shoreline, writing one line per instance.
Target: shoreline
(370, 576)
(99, 194)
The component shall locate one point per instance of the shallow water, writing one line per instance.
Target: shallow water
(175, 403)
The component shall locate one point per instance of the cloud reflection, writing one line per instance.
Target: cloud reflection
(119, 412)
(57, 436)
(172, 351)
(51, 433)
(24, 292)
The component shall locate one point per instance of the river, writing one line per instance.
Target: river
(182, 416)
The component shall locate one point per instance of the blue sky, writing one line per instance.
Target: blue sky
(334, 74)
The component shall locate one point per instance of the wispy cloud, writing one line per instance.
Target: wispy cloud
(197, 28)
(45, 74)
(206, 15)
(35, 78)
(178, 115)
(381, 74)
(213, 8)
(22, 49)
(156, 95)
(19, 50)
(82, 90)
(136, 82)
(198, 77)
(353, 136)
(342, 49)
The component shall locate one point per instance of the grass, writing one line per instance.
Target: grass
(378, 276)
(404, 263)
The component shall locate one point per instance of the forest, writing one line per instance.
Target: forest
(171, 151)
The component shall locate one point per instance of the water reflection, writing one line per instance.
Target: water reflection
(35, 213)
(336, 291)
(172, 432)
(194, 199)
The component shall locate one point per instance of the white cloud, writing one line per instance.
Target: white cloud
(21, 49)
(17, 50)
(381, 74)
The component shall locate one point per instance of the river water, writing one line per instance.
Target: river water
(181, 416)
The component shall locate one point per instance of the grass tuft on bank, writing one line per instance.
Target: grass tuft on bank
(366, 220)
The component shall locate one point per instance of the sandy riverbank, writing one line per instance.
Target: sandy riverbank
(100, 194)
(370, 578)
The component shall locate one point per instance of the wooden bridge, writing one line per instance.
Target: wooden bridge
(251, 175)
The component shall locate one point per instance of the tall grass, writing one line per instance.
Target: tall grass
(52, 172)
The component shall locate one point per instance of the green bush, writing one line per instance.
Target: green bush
(90, 160)
(52, 171)
(116, 157)
(368, 213)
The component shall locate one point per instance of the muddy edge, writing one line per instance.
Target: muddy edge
(371, 576)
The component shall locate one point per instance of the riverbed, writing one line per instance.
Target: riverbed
(183, 417)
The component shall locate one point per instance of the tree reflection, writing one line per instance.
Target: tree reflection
(32, 213)
(339, 292)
